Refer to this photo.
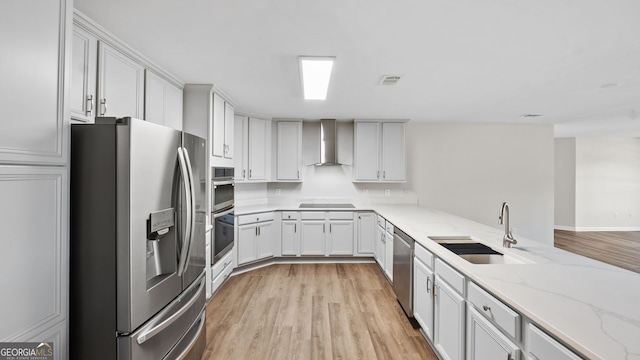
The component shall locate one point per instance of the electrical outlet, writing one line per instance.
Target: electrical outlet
(277, 191)
(387, 192)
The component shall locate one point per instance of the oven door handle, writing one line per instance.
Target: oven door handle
(217, 215)
(226, 182)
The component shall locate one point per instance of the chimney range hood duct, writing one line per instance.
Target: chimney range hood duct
(328, 143)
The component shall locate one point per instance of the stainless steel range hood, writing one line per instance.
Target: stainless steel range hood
(328, 143)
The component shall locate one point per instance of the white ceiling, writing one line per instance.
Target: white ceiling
(462, 60)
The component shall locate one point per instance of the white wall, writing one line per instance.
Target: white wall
(470, 169)
(565, 183)
(608, 183)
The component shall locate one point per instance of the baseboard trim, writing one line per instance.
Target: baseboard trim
(596, 228)
(302, 260)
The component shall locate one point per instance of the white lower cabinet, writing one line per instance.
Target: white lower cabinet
(388, 250)
(312, 237)
(544, 347)
(340, 237)
(221, 270)
(380, 249)
(449, 311)
(485, 341)
(290, 238)
(423, 296)
(366, 236)
(255, 238)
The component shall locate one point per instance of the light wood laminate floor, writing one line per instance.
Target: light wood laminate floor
(311, 311)
(619, 248)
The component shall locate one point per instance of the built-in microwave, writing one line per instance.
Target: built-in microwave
(222, 188)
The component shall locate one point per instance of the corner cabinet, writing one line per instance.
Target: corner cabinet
(255, 237)
(289, 150)
(379, 152)
(252, 149)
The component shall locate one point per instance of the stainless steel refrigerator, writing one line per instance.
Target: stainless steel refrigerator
(137, 287)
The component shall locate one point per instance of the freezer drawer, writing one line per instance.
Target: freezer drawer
(155, 339)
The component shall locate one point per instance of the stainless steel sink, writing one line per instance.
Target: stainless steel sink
(476, 253)
(326, 206)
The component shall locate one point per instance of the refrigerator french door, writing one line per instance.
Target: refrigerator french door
(137, 239)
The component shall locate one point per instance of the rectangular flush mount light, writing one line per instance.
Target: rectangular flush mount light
(316, 72)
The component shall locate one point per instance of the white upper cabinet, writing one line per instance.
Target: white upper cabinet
(289, 157)
(393, 152)
(229, 120)
(33, 39)
(84, 70)
(367, 149)
(258, 149)
(218, 126)
(379, 152)
(223, 114)
(162, 101)
(241, 134)
(120, 84)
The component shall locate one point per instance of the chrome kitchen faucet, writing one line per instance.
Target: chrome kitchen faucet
(507, 239)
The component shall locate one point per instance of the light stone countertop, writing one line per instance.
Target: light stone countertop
(591, 306)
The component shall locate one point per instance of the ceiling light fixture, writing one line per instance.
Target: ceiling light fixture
(315, 73)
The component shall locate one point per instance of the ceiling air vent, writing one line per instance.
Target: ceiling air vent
(531, 115)
(390, 79)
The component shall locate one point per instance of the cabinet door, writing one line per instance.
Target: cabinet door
(35, 242)
(485, 341)
(217, 129)
(155, 98)
(367, 151)
(240, 137)
(229, 114)
(120, 84)
(388, 257)
(246, 243)
(289, 238)
(265, 247)
(173, 115)
(393, 152)
(423, 297)
(34, 47)
(380, 248)
(340, 238)
(366, 234)
(289, 157)
(449, 321)
(312, 237)
(257, 149)
(543, 347)
(84, 69)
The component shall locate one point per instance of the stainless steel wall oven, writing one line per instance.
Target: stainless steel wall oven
(222, 207)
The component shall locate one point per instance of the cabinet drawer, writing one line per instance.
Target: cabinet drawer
(340, 215)
(221, 265)
(290, 215)
(424, 255)
(389, 227)
(494, 310)
(312, 215)
(451, 276)
(381, 221)
(254, 218)
(543, 346)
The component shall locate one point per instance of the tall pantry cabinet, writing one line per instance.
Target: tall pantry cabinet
(34, 188)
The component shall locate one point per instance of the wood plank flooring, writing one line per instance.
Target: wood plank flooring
(311, 311)
(618, 248)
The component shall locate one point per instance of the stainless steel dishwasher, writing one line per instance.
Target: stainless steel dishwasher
(403, 269)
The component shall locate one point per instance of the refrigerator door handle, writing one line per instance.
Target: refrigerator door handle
(171, 319)
(187, 234)
(192, 185)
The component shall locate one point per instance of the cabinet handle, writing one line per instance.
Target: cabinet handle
(323, 227)
(295, 228)
(384, 174)
(428, 288)
(244, 173)
(256, 231)
(103, 102)
(249, 173)
(378, 174)
(434, 289)
(259, 231)
(298, 174)
(330, 228)
(486, 308)
(89, 105)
